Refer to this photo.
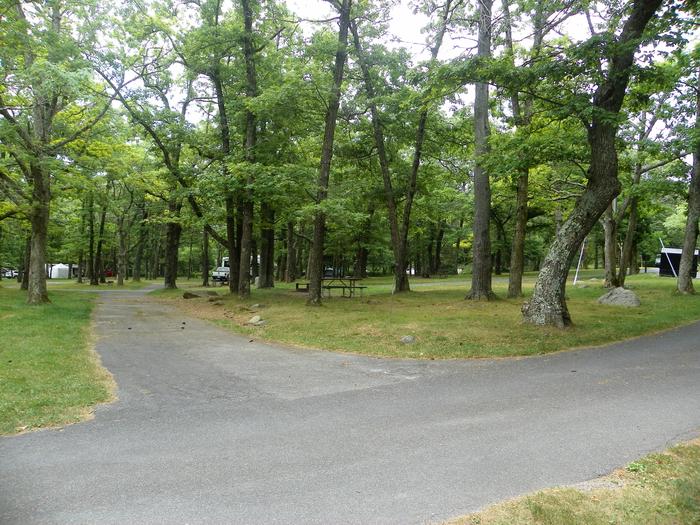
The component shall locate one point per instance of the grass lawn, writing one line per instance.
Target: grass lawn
(72, 285)
(658, 489)
(49, 374)
(443, 323)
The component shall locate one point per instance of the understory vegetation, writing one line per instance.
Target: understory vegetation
(658, 489)
(443, 324)
(49, 374)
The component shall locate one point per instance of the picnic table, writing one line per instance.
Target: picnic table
(347, 285)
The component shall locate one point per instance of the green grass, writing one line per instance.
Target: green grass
(446, 325)
(49, 374)
(658, 489)
(71, 284)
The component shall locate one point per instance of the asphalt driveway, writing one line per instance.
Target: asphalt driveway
(215, 428)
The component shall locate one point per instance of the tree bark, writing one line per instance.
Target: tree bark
(316, 255)
(233, 227)
(628, 245)
(173, 230)
(138, 256)
(481, 248)
(517, 253)
(251, 91)
(122, 252)
(25, 264)
(438, 247)
(290, 273)
(610, 252)
(267, 246)
(205, 257)
(98, 272)
(685, 281)
(39, 219)
(548, 303)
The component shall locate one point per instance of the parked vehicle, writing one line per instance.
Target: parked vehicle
(221, 274)
(9, 273)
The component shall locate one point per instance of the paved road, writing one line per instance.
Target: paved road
(213, 428)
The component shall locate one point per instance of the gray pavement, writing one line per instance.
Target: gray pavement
(214, 428)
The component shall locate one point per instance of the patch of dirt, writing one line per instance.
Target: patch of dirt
(203, 309)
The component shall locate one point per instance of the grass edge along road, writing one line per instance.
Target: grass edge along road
(443, 323)
(50, 374)
(661, 488)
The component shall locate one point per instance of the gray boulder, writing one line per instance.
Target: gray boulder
(408, 340)
(254, 320)
(620, 297)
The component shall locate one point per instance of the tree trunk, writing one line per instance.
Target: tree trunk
(548, 303)
(155, 261)
(630, 240)
(251, 91)
(316, 256)
(25, 263)
(173, 230)
(122, 252)
(438, 247)
(39, 219)
(685, 281)
(138, 257)
(267, 246)
(91, 263)
(610, 228)
(98, 273)
(501, 239)
(517, 254)
(81, 264)
(290, 273)
(233, 227)
(205, 258)
(246, 249)
(481, 265)
(189, 257)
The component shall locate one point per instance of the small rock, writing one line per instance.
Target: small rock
(254, 320)
(408, 340)
(620, 297)
(260, 323)
(190, 295)
(257, 306)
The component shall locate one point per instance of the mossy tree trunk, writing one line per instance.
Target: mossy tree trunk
(548, 303)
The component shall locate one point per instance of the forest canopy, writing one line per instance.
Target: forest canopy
(151, 138)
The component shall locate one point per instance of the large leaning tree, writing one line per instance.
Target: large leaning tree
(548, 303)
